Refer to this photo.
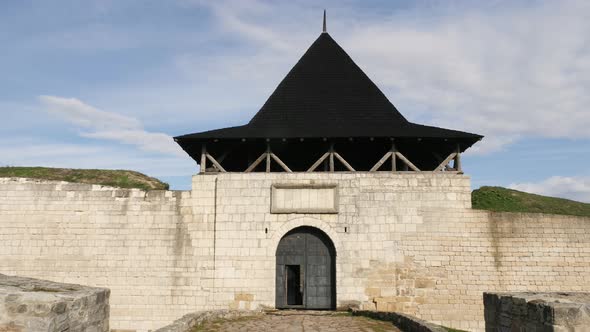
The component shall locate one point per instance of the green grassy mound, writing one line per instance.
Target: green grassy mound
(509, 200)
(105, 177)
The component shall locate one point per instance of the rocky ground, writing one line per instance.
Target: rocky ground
(298, 321)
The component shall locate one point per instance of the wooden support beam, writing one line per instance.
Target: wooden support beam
(381, 162)
(267, 158)
(346, 164)
(318, 162)
(203, 158)
(407, 162)
(280, 162)
(331, 161)
(332, 157)
(255, 163)
(393, 161)
(457, 163)
(445, 162)
(214, 162)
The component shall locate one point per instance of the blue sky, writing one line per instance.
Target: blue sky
(105, 84)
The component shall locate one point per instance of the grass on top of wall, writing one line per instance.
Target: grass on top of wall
(105, 177)
(509, 200)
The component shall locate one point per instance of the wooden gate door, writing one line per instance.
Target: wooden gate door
(305, 270)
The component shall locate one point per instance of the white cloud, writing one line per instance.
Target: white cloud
(78, 113)
(575, 188)
(109, 125)
(264, 23)
(491, 144)
(515, 71)
(231, 20)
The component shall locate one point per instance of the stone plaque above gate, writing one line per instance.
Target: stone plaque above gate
(304, 198)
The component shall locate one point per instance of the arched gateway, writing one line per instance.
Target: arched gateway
(306, 270)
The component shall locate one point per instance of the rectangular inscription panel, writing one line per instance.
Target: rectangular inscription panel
(304, 198)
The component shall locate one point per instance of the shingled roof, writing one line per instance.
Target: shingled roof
(327, 95)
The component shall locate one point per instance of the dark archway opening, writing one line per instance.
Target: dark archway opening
(306, 270)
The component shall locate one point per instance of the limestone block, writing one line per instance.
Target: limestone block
(37, 305)
(537, 311)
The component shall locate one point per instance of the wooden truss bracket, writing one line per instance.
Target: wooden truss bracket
(344, 162)
(206, 156)
(268, 156)
(393, 154)
(382, 161)
(280, 162)
(455, 157)
(444, 164)
(256, 162)
(318, 162)
(388, 155)
(407, 162)
(215, 163)
(331, 154)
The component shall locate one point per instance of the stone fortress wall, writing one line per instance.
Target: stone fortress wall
(406, 242)
(130, 241)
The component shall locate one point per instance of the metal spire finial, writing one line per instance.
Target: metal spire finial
(324, 30)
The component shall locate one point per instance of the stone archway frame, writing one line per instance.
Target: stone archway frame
(299, 222)
(288, 226)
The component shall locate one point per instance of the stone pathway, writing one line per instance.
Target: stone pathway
(298, 321)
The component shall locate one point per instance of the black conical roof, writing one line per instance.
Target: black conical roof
(327, 95)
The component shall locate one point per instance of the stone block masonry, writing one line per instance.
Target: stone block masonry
(33, 305)
(406, 242)
(530, 311)
(144, 246)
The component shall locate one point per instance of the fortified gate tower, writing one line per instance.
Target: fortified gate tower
(308, 201)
